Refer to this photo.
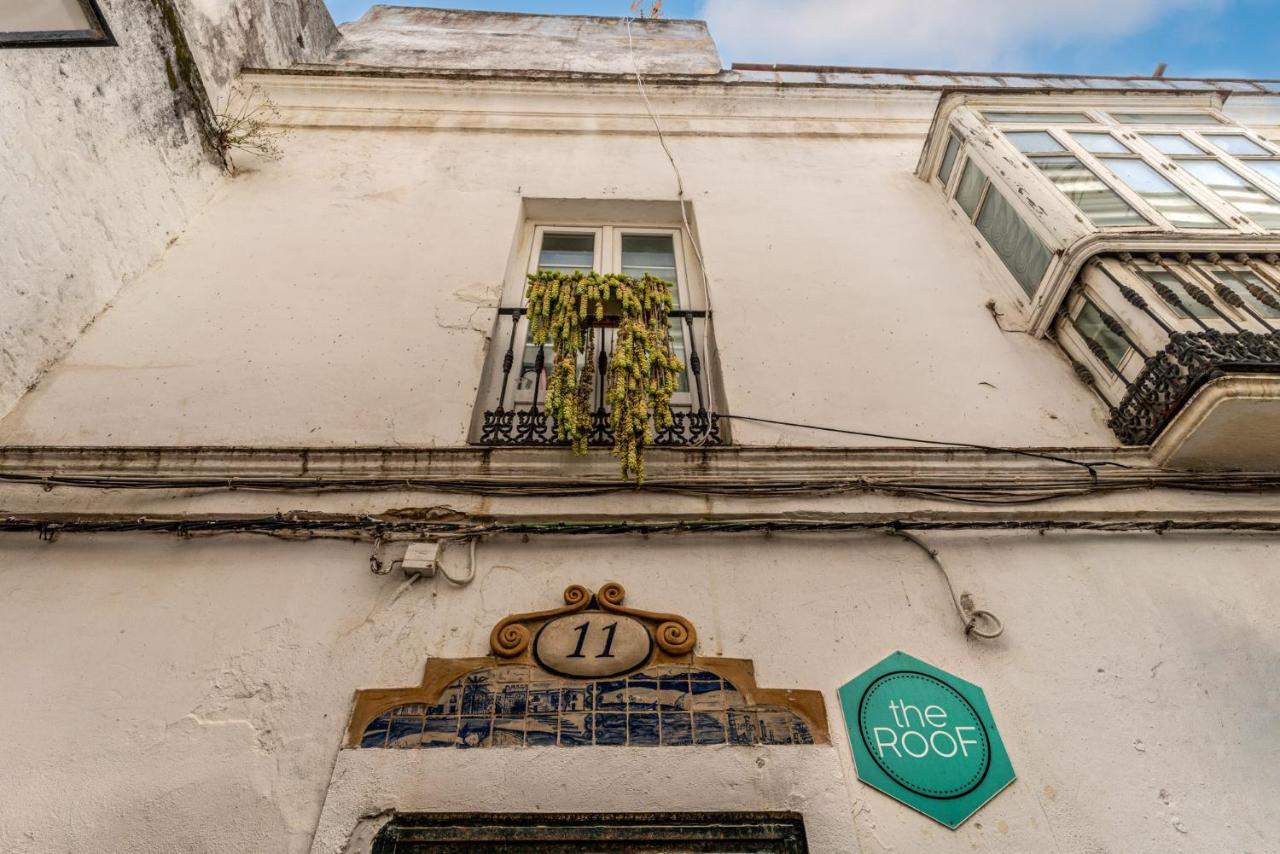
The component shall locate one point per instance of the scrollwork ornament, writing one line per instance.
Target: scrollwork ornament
(510, 637)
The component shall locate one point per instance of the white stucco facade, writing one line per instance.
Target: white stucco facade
(301, 365)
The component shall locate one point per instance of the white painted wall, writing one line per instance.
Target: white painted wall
(166, 695)
(344, 295)
(102, 163)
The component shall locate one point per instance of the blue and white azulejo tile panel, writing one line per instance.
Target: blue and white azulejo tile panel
(515, 706)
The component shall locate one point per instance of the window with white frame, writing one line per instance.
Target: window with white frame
(632, 251)
(512, 398)
(53, 23)
(1036, 180)
(1173, 170)
(1006, 231)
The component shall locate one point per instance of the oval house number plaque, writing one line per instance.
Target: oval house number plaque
(592, 643)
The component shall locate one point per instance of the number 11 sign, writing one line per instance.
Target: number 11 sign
(592, 644)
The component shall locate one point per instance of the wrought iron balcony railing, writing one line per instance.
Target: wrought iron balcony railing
(1147, 332)
(519, 417)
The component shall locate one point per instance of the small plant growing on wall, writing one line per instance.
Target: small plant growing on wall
(248, 122)
(564, 309)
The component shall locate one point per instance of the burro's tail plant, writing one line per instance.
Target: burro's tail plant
(564, 309)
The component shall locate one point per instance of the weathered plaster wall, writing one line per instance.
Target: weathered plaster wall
(344, 295)
(170, 695)
(406, 37)
(105, 157)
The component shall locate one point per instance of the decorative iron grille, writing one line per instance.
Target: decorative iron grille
(520, 418)
(537, 833)
(1217, 315)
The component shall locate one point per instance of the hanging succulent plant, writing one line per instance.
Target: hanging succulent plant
(564, 309)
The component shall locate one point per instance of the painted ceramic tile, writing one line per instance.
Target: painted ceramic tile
(710, 727)
(541, 731)
(611, 728)
(405, 732)
(742, 727)
(477, 695)
(579, 698)
(374, 738)
(512, 673)
(510, 700)
(474, 732)
(642, 694)
(575, 729)
(800, 732)
(611, 695)
(677, 729)
(642, 729)
(508, 732)
(775, 726)
(450, 702)
(544, 698)
(440, 732)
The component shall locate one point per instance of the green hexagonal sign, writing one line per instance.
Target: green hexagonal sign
(926, 738)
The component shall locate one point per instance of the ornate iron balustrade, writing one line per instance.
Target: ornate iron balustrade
(521, 419)
(1188, 320)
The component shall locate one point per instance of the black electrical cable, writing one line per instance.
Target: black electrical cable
(374, 527)
(938, 442)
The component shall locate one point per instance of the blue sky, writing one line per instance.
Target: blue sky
(1225, 38)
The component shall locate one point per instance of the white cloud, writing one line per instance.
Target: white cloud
(966, 34)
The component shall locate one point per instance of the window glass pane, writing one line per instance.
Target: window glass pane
(1033, 141)
(1165, 118)
(1098, 201)
(1172, 143)
(1174, 284)
(1267, 168)
(1089, 324)
(949, 159)
(1235, 143)
(26, 16)
(970, 190)
(655, 254)
(1015, 243)
(1040, 118)
(1246, 198)
(567, 252)
(1175, 205)
(1256, 304)
(1100, 143)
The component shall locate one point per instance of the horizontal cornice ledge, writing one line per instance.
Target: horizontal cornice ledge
(476, 469)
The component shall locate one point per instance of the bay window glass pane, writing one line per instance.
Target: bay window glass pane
(1100, 143)
(1015, 243)
(1089, 324)
(1256, 304)
(1172, 143)
(1255, 279)
(1174, 284)
(1033, 141)
(1236, 143)
(1039, 118)
(1165, 118)
(1096, 200)
(1176, 206)
(949, 159)
(1267, 168)
(1245, 197)
(566, 253)
(970, 190)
